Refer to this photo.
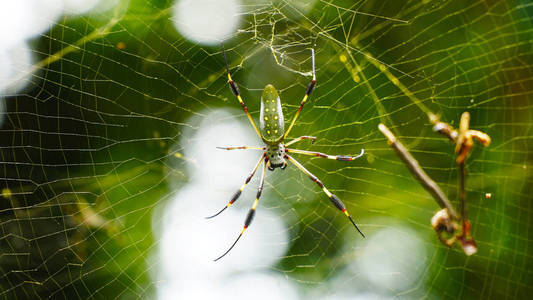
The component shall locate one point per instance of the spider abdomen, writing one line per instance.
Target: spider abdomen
(271, 123)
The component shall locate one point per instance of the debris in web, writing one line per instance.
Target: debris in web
(464, 140)
(445, 221)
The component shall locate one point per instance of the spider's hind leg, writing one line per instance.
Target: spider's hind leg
(308, 91)
(235, 90)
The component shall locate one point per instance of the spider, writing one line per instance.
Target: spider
(275, 152)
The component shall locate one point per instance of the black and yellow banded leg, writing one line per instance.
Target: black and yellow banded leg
(239, 192)
(242, 148)
(235, 89)
(251, 212)
(303, 137)
(318, 154)
(308, 91)
(334, 199)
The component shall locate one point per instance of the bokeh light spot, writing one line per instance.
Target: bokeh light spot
(15, 68)
(393, 258)
(206, 21)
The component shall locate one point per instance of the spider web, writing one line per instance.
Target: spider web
(96, 146)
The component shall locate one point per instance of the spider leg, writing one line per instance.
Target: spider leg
(334, 199)
(303, 137)
(308, 91)
(251, 212)
(238, 193)
(235, 89)
(242, 148)
(336, 157)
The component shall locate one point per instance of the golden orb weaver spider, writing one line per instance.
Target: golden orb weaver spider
(275, 152)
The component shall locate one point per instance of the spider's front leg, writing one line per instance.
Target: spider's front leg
(239, 192)
(251, 212)
(334, 199)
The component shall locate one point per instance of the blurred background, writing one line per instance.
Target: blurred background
(110, 112)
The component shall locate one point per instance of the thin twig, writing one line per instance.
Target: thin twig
(418, 172)
(462, 193)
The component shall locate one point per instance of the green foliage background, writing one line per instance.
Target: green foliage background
(96, 127)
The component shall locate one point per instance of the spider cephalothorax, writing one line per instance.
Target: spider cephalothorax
(275, 152)
(276, 156)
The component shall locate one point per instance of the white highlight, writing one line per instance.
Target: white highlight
(393, 259)
(387, 263)
(189, 242)
(206, 21)
(79, 6)
(15, 68)
(220, 168)
(2, 111)
(23, 19)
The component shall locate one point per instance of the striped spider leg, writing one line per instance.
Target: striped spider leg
(334, 199)
(239, 192)
(323, 155)
(303, 137)
(251, 212)
(235, 90)
(308, 91)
